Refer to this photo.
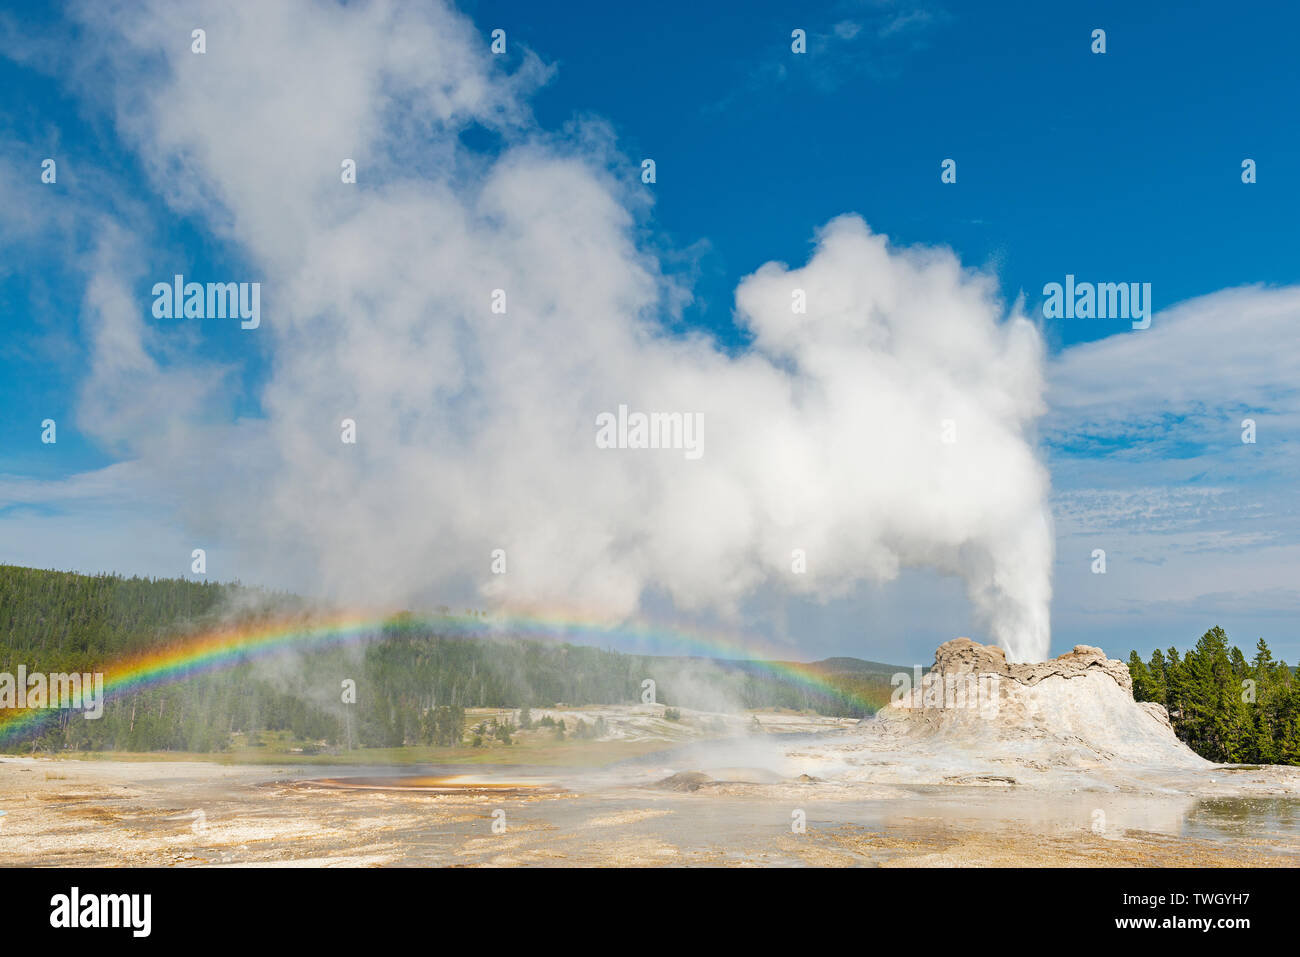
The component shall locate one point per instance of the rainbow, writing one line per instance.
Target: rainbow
(224, 647)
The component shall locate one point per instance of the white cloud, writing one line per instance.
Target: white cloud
(1150, 466)
(1202, 366)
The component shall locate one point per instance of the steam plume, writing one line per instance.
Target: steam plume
(889, 425)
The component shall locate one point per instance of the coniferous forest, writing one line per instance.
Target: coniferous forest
(1224, 707)
(413, 684)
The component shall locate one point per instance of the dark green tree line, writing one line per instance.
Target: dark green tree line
(1222, 706)
(413, 682)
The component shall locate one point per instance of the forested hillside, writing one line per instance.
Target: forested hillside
(412, 683)
(1224, 707)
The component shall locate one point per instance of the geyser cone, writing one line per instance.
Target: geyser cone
(1075, 710)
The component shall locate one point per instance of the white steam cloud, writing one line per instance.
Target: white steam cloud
(476, 431)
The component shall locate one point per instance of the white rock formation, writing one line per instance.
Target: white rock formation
(1069, 724)
(1076, 710)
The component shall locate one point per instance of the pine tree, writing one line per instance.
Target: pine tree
(1156, 670)
(1141, 678)
(1175, 687)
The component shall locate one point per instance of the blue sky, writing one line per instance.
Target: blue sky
(1067, 161)
(1117, 167)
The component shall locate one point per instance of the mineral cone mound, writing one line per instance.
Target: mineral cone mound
(1077, 709)
(1065, 725)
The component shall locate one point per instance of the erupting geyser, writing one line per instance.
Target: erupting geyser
(879, 415)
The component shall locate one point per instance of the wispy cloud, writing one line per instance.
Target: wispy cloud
(874, 40)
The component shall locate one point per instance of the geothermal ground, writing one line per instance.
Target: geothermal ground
(984, 763)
